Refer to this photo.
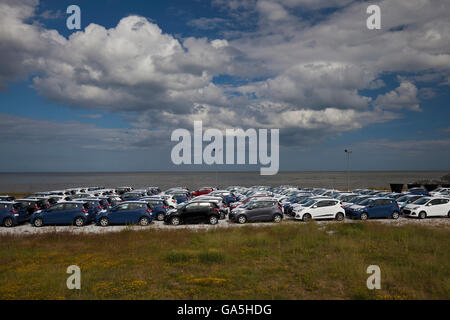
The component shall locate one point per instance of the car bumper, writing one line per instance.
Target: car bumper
(410, 213)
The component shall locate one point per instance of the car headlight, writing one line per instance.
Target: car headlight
(16, 214)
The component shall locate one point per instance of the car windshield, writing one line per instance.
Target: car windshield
(365, 202)
(402, 199)
(358, 201)
(421, 201)
(309, 203)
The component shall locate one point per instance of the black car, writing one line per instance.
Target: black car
(218, 201)
(258, 210)
(195, 212)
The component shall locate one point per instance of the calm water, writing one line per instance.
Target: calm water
(27, 182)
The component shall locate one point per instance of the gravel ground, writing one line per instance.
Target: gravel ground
(27, 229)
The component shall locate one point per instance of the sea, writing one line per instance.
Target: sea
(49, 181)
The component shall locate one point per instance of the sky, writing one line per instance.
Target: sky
(108, 97)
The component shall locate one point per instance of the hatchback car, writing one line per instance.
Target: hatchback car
(158, 206)
(406, 199)
(12, 213)
(202, 191)
(320, 208)
(223, 209)
(258, 210)
(66, 213)
(195, 212)
(374, 208)
(428, 207)
(130, 212)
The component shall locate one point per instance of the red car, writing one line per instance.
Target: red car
(202, 191)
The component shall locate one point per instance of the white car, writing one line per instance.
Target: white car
(428, 207)
(324, 208)
(439, 192)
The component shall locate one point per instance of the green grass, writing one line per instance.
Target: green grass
(291, 261)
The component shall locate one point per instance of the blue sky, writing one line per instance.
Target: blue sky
(107, 97)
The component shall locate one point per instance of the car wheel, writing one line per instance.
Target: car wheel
(8, 222)
(104, 222)
(306, 217)
(79, 222)
(242, 219)
(213, 220)
(171, 207)
(277, 218)
(422, 214)
(339, 216)
(175, 221)
(144, 221)
(395, 215)
(38, 222)
(448, 215)
(160, 216)
(364, 216)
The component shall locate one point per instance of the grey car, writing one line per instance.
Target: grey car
(257, 210)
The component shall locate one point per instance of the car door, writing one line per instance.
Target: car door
(267, 211)
(373, 209)
(204, 210)
(253, 211)
(51, 215)
(320, 209)
(435, 208)
(381, 209)
(69, 212)
(132, 215)
(190, 213)
(117, 215)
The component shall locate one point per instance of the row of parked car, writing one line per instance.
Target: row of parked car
(125, 205)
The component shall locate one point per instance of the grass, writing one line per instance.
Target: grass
(295, 261)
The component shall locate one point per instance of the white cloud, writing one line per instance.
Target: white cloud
(310, 75)
(403, 97)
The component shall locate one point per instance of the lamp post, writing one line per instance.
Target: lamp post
(348, 152)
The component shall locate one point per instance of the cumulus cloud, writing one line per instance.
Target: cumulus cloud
(403, 97)
(306, 77)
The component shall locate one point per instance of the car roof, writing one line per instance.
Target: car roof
(7, 202)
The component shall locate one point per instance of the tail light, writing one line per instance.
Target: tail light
(14, 211)
(165, 207)
(36, 208)
(100, 207)
(342, 207)
(84, 211)
(149, 211)
(216, 209)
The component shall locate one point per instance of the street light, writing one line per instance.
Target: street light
(348, 152)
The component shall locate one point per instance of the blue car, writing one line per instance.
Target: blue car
(133, 196)
(374, 208)
(227, 196)
(12, 213)
(76, 213)
(130, 212)
(96, 204)
(418, 191)
(158, 206)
